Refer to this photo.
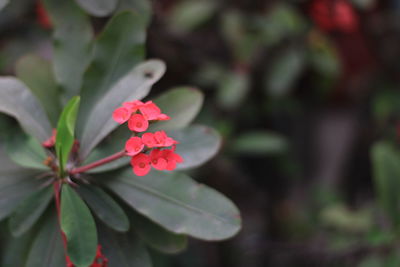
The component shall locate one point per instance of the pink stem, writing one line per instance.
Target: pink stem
(98, 163)
(57, 187)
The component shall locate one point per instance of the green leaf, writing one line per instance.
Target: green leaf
(105, 207)
(3, 3)
(259, 143)
(15, 251)
(47, 249)
(181, 104)
(142, 7)
(285, 71)
(197, 144)
(37, 74)
(123, 249)
(17, 101)
(29, 210)
(72, 42)
(386, 167)
(65, 131)
(78, 225)
(134, 85)
(117, 50)
(233, 89)
(178, 203)
(186, 16)
(98, 8)
(25, 150)
(156, 236)
(15, 186)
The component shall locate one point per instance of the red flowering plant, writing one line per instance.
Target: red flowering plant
(97, 182)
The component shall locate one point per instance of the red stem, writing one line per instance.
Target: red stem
(98, 163)
(57, 187)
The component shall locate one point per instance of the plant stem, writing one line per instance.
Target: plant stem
(98, 163)
(57, 187)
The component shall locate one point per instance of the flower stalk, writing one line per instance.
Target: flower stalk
(98, 163)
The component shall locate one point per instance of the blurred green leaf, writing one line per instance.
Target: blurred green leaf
(385, 104)
(98, 8)
(339, 217)
(37, 74)
(284, 72)
(135, 85)
(323, 56)
(29, 210)
(66, 132)
(78, 225)
(281, 22)
(123, 250)
(232, 91)
(15, 186)
(187, 15)
(156, 236)
(197, 144)
(3, 3)
(72, 42)
(182, 104)
(259, 143)
(386, 170)
(178, 203)
(17, 101)
(104, 207)
(25, 150)
(15, 251)
(142, 7)
(47, 250)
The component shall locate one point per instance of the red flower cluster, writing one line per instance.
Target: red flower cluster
(331, 15)
(139, 115)
(99, 261)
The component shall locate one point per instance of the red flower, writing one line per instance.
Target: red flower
(138, 115)
(157, 139)
(141, 164)
(151, 112)
(172, 158)
(157, 160)
(138, 123)
(42, 16)
(121, 115)
(332, 15)
(134, 146)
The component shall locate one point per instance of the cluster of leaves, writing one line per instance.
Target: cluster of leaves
(159, 210)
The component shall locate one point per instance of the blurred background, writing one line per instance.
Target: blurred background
(303, 93)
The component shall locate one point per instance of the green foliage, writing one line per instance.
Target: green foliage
(37, 74)
(79, 227)
(259, 143)
(72, 42)
(25, 150)
(178, 203)
(181, 104)
(99, 8)
(118, 49)
(17, 101)
(29, 211)
(385, 159)
(66, 132)
(102, 73)
(105, 208)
